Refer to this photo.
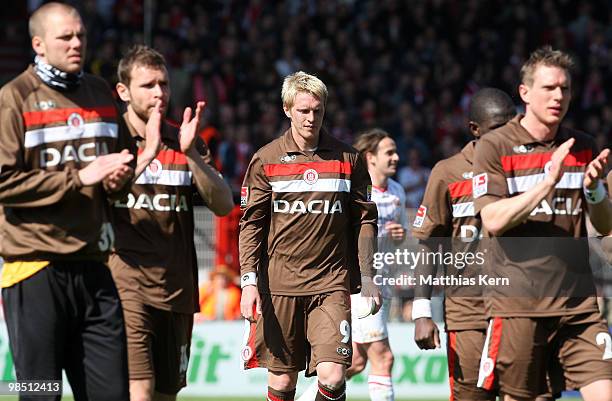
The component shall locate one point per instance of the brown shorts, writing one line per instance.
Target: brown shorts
(464, 352)
(294, 333)
(574, 350)
(159, 344)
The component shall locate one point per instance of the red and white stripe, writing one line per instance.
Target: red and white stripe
(526, 182)
(59, 115)
(322, 185)
(490, 351)
(173, 178)
(68, 133)
(513, 163)
(332, 166)
(464, 209)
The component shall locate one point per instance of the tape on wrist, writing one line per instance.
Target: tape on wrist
(248, 279)
(596, 195)
(421, 308)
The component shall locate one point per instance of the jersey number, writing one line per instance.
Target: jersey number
(604, 338)
(345, 330)
(107, 237)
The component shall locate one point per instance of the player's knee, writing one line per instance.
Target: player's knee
(331, 374)
(282, 382)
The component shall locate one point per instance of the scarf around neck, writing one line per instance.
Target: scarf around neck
(56, 78)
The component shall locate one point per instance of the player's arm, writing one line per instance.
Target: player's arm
(213, 189)
(24, 187)
(498, 216)
(153, 141)
(599, 205)
(364, 216)
(431, 226)
(255, 201)
(118, 183)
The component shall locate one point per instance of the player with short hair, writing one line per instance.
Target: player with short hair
(63, 155)
(154, 261)
(305, 197)
(534, 181)
(447, 212)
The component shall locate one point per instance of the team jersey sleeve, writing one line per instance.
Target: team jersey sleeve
(255, 201)
(21, 186)
(364, 216)
(489, 181)
(433, 218)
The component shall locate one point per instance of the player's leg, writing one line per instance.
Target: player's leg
(359, 360)
(380, 385)
(464, 350)
(514, 357)
(585, 353)
(328, 331)
(37, 325)
(103, 342)
(171, 351)
(281, 386)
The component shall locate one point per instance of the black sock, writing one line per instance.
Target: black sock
(329, 394)
(275, 395)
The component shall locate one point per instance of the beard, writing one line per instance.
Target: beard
(145, 113)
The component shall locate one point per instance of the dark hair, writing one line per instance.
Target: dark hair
(488, 102)
(368, 141)
(138, 55)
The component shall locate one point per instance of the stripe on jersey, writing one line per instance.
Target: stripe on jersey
(322, 185)
(490, 351)
(526, 182)
(460, 188)
(332, 166)
(464, 209)
(173, 178)
(169, 156)
(539, 160)
(65, 133)
(61, 115)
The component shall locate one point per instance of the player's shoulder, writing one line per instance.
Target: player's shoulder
(581, 137)
(19, 88)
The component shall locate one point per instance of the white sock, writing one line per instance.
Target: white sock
(381, 388)
(310, 393)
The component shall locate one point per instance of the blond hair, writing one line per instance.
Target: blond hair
(302, 82)
(545, 56)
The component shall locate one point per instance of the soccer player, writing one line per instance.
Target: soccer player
(534, 181)
(154, 261)
(370, 335)
(305, 199)
(62, 156)
(447, 212)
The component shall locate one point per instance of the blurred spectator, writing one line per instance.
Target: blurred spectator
(413, 178)
(220, 296)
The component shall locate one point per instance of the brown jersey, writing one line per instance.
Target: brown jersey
(300, 212)
(46, 137)
(154, 256)
(548, 270)
(447, 213)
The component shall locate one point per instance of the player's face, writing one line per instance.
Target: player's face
(548, 98)
(386, 158)
(306, 115)
(148, 86)
(63, 42)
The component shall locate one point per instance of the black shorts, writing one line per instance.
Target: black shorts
(68, 316)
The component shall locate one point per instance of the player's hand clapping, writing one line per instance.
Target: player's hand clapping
(189, 127)
(596, 169)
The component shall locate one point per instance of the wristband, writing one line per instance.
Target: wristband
(596, 195)
(248, 279)
(421, 308)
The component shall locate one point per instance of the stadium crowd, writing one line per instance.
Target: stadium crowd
(407, 66)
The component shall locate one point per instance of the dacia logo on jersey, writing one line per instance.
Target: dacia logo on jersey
(159, 202)
(45, 105)
(523, 149)
(558, 206)
(87, 152)
(314, 207)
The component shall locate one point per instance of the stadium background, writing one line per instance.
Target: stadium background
(407, 66)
